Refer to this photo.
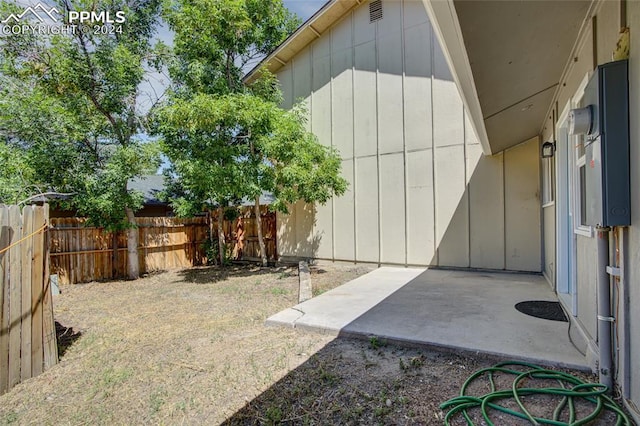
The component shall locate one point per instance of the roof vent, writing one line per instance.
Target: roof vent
(375, 11)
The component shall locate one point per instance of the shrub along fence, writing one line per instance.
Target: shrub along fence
(80, 253)
(27, 330)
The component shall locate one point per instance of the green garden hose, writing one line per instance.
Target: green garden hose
(569, 390)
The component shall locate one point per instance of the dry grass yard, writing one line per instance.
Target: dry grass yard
(190, 347)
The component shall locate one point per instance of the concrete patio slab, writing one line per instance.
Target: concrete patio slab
(460, 310)
(332, 311)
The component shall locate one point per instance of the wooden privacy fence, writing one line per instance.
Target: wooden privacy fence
(80, 253)
(27, 330)
(251, 244)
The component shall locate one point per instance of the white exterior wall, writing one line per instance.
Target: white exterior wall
(420, 190)
(631, 238)
(628, 321)
(549, 241)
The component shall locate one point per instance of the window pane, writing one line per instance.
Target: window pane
(583, 195)
(580, 146)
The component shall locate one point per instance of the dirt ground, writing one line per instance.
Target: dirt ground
(190, 347)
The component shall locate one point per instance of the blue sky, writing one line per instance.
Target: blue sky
(304, 8)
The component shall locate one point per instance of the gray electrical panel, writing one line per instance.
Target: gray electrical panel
(606, 170)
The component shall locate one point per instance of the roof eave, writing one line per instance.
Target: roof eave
(444, 19)
(310, 30)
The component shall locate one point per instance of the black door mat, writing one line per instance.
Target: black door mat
(542, 309)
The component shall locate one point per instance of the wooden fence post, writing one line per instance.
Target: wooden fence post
(50, 343)
(27, 329)
(114, 256)
(15, 297)
(27, 258)
(37, 271)
(5, 240)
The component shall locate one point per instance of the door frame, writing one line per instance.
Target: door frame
(567, 206)
(566, 253)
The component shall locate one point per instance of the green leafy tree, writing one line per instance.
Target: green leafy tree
(71, 103)
(230, 34)
(215, 40)
(16, 175)
(198, 139)
(235, 137)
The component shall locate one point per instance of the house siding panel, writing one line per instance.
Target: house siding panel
(384, 98)
(390, 99)
(321, 47)
(452, 220)
(367, 241)
(608, 24)
(323, 231)
(343, 237)
(342, 103)
(341, 35)
(587, 270)
(302, 80)
(304, 228)
(420, 208)
(417, 88)
(413, 14)
(342, 88)
(286, 225)
(363, 30)
(549, 228)
(285, 77)
(470, 137)
(392, 21)
(366, 112)
(486, 196)
(392, 215)
(321, 97)
(522, 207)
(447, 104)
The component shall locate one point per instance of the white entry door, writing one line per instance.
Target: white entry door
(565, 237)
(570, 205)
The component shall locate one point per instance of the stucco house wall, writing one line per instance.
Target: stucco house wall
(420, 190)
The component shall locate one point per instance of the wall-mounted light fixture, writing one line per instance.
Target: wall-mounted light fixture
(548, 149)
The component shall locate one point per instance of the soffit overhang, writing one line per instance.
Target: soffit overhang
(508, 59)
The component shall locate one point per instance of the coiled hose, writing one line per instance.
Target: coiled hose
(594, 393)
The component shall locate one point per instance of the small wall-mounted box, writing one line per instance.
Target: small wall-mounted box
(607, 147)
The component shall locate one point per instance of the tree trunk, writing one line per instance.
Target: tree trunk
(211, 235)
(132, 246)
(263, 249)
(221, 235)
(114, 255)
